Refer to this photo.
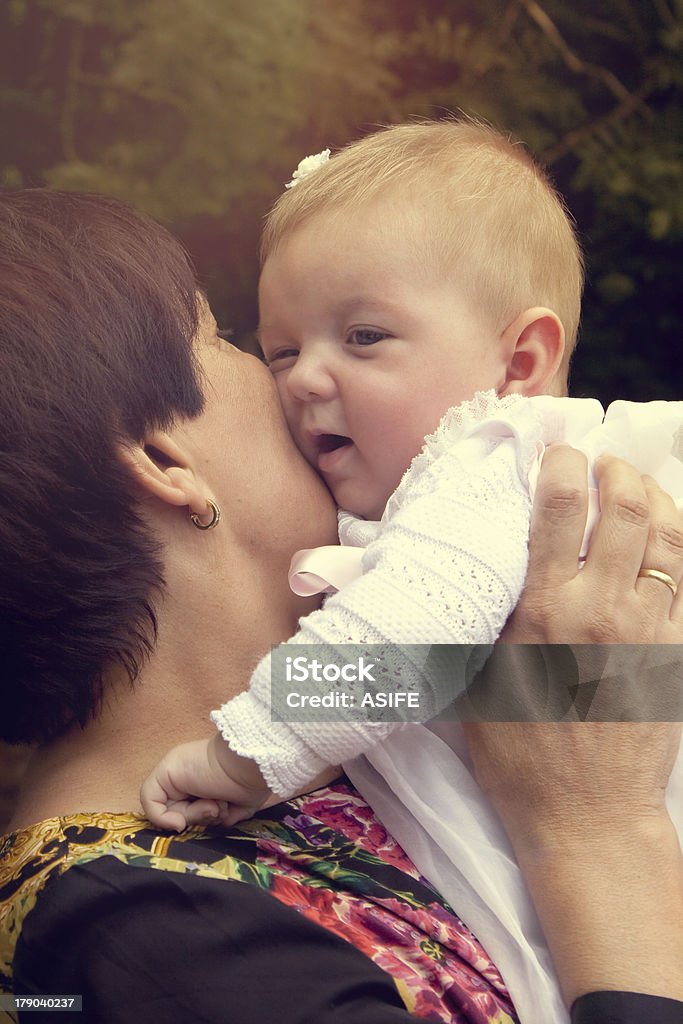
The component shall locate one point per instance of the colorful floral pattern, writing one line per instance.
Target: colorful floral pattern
(325, 855)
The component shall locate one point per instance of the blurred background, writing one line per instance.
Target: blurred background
(199, 110)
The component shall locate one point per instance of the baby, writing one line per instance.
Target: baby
(422, 266)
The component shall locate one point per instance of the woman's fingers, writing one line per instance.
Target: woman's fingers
(606, 601)
(557, 527)
(621, 534)
(663, 554)
(639, 529)
(559, 517)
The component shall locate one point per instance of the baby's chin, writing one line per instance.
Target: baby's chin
(364, 510)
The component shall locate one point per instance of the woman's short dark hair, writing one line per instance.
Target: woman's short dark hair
(98, 312)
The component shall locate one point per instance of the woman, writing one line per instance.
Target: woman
(151, 501)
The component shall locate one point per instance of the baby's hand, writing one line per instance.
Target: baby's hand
(202, 782)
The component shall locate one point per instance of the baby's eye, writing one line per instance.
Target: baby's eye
(281, 359)
(365, 336)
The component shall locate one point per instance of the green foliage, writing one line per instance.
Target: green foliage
(198, 110)
(186, 106)
(596, 95)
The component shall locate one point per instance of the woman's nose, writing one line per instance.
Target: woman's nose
(311, 378)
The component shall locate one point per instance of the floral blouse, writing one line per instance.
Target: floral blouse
(325, 855)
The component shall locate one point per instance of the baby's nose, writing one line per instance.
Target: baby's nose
(311, 378)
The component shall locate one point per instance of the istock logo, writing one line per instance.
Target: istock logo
(302, 669)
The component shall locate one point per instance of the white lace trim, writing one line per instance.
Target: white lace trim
(510, 416)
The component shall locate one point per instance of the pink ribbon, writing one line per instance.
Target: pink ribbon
(324, 570)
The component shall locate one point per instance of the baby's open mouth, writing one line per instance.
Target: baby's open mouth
(330, 442)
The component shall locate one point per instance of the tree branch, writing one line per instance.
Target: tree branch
(507, 22)
(575, 63)
(503, 33)
(618, 113)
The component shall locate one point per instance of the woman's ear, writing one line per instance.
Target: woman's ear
(159, 466)
(535, 340)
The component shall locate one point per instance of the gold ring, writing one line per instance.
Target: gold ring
(663, 577)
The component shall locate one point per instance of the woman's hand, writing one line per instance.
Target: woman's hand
(605, 601)
(583, 802)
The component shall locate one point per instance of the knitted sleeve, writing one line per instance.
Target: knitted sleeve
(447, 568)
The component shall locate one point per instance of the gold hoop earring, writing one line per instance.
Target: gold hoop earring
(215, 517)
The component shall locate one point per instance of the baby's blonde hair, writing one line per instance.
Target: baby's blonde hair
(489, 210)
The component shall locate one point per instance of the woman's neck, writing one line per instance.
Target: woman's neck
(195, 668)
(101, 766)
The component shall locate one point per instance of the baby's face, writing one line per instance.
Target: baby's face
(368, 349)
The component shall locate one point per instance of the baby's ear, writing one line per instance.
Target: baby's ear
(160, 469)
(535, 342)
